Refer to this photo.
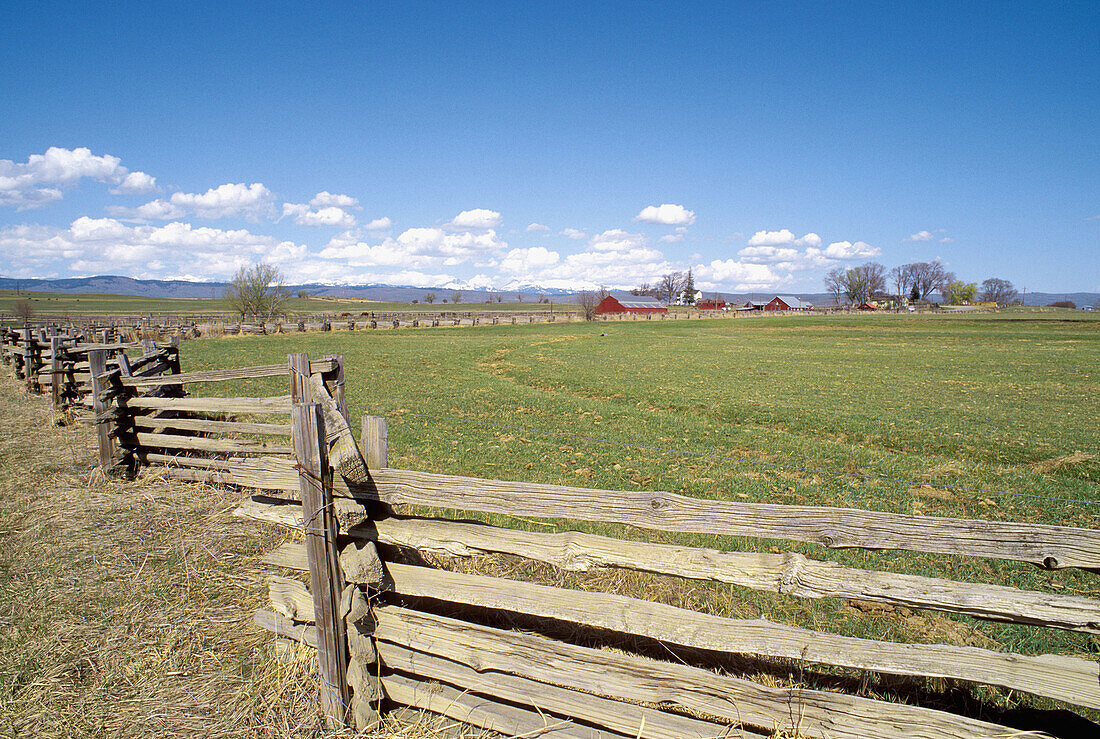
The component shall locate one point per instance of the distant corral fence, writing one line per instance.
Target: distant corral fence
(529, 660)
(133, 328)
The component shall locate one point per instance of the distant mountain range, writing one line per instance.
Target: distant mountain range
(117, 285)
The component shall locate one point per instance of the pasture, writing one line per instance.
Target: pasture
(1004, 405)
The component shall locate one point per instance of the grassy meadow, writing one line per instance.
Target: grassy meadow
(999, 402)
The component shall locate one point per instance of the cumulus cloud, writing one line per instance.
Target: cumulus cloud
(415, 247)
(326, 199)
(232, 200)
(528, 261)
(921, 236)
(768, 253)
(666, 214)
(328, 216)
(476, 219)
(154, 210)
(106, 246)
(536, 227)
(574, 233)
(136, 183)
(848, 250)
(735, 274)
(783, 237)
(379, 224)
(39, 180)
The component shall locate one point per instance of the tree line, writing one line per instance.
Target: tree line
(914, 281)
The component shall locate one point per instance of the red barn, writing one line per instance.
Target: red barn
(786, 302)
(868, 306)
(629, 304)
(711, 305)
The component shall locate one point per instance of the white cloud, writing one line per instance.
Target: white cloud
(326, 199)
(476, 219)
(136, 183)
(534, 227)
(678, 235)
(574, 233)
(768, 253)
(154, 210)
(35, 182)
(666, 214)
(528, 261)
(379, 224)
(328, 216)
(108, 246)
(415, 247)
(783, 237)
(946, 240)
(848, 250)
(921, 236)
(733, 274)
(228, 201)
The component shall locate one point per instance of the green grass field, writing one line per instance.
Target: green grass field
(103, 304)
(1005, 402)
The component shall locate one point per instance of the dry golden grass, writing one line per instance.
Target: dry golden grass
(126, 607)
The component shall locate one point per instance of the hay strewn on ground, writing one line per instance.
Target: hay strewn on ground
(125, 607)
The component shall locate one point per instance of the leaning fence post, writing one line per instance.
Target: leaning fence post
(97, 365)
(337, 380)
(325, 577)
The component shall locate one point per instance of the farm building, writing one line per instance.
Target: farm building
(868, 306)
(786, 302)
(749, 305)
(626, 303)
(711, 305)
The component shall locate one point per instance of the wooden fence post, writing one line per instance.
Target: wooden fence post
(325, 577)
(55, 370)
(97, 365)
(299, 378)
(375, 444)
(337, 380)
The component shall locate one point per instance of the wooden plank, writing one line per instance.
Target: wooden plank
(375, 441)
(173, 460)
(220, 375)
(97, 361)
(207, 444)
(298, 366)
(335, 378)
(483, 712)
(219, 427)
(324, 568)
(283, 626)
(258, 406)
(622, 718)
(800, 711)
(835, 528)
(786, 574)
(1063, 678)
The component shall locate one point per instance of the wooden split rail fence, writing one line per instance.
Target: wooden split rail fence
(60, 363)
(527, 659)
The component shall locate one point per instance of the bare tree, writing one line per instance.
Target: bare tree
(671, 284)
(588, 301)
(603, 292)
(257, 291)
(875, 274)
(24, 310)
(456, 298)
(519, 297)
(303, 294)
(928, 277)
(857, 285)
(834, 283)
(996, 290)
(947, 287)
(429, 298)
(902, 277)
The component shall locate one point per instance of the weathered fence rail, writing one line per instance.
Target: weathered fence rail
(388, 627)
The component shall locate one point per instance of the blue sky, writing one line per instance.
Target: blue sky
(567, 145)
